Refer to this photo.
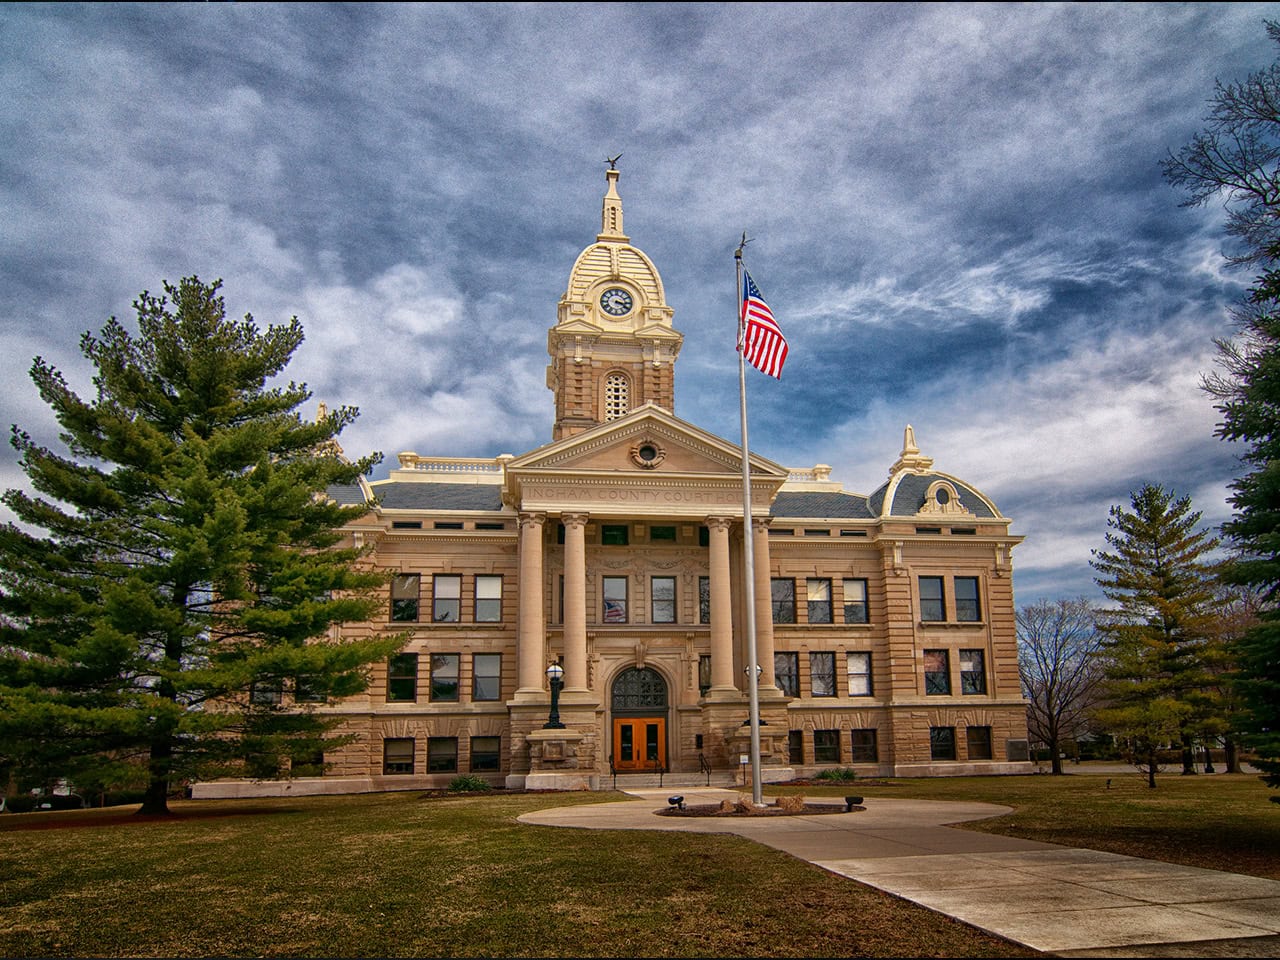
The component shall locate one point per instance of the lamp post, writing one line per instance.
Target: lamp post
(555, 674)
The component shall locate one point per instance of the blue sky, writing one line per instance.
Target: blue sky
(958, 215)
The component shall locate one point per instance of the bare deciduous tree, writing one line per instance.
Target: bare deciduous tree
(1058, 646)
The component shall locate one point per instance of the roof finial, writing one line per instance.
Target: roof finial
(611, 214)
(910, 458)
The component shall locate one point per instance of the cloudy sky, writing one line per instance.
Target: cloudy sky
(958, 214)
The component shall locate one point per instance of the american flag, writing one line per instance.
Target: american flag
(763, 344)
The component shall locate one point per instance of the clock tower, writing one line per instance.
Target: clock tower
(613, 347)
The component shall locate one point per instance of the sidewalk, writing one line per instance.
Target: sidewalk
(1060, 900)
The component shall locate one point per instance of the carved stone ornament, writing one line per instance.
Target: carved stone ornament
(647, 454)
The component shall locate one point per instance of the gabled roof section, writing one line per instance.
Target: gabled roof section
(646, 463)
(393, 495)
(682, 447)
(821, 506)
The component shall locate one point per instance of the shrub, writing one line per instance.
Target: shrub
(841, 774)
(469, 783)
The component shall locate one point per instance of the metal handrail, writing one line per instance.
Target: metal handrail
(705, 766)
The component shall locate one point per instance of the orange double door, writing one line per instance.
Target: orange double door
(640, 743)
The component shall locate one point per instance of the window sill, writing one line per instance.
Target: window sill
(952, 624)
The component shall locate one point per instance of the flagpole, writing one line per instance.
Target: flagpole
(748, 546)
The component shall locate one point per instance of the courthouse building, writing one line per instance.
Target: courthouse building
(885, 622)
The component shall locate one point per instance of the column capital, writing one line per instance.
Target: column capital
(719, 523)
(575, 519)
(531, 519)
(761, 523)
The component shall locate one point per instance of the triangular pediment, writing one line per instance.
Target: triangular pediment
(577, 326)
(647, 458)
(679, 447)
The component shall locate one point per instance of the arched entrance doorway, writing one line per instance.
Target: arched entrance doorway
(639, 708)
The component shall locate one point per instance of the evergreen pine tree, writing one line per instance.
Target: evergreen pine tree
(1161, 630)
(167, 595)
(1249, 400)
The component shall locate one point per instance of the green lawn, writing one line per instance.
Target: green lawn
(1221, 822)
(401, 875)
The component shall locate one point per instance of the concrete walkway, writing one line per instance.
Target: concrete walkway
(1061, 900)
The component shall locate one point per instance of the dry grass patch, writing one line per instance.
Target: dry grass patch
(397, 875)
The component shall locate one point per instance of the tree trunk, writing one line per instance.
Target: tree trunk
(1188, 758)
(155, 802)
(1232, 756)
(1055, 757)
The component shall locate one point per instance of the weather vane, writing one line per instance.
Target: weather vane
(613, 161)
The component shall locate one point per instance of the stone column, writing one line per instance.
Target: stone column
(575, 602)
(764, 598)
(531, 625)
(722, 679)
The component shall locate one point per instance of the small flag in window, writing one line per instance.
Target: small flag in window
(763, 344)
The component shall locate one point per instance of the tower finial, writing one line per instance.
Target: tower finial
(611, 214)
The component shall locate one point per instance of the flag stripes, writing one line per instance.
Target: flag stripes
(762, 342)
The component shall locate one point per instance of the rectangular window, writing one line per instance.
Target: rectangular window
(615, 599)
(855, 602)
(795, 746)
(613, 534)
(402, 678)
(859, 670)
(488, 598)
(486, 676)
(978, 743)
(662, 534)
(822, 674)
(404, 597)
(662, 599)
(486, 754)
(863, 746)
(304, 691)
(786, 673)
(932, 602)
(444, 677)
(783, 595)
(942, 743)
(826, 746)
(265, 692)
(484, 525)
(442, 755)
(968, 609)
(937, 673)
(704, 599)
(819, 600)
(406, 524)
(704, 673)
(446, 598)
(447, 525)
(397, 755)
(973, 674)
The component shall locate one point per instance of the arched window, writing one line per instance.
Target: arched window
(617, 396)
(639, 690)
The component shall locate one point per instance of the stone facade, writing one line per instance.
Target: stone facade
(884, 622)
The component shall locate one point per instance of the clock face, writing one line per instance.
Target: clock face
(616, 302)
